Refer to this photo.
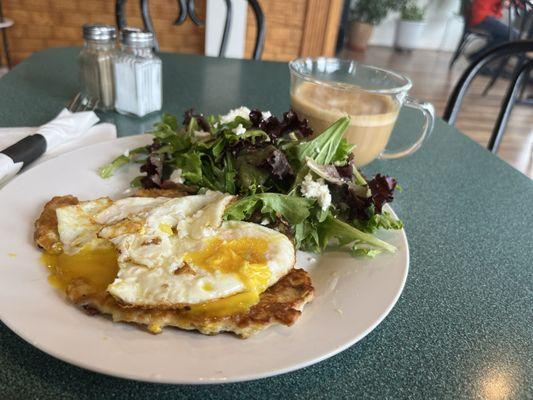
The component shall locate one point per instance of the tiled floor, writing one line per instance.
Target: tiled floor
(433, 82)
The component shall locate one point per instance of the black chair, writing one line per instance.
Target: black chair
(469, 34)
(521, 9)
(514, 48)
(187, 9)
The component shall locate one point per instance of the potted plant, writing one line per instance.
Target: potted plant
(364, 14)
(410, 25)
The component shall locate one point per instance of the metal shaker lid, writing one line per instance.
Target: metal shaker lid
(99, 32)
(139, 39)
(126, 31)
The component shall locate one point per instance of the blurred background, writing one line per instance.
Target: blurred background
(417, 38)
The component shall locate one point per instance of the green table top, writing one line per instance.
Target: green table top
(463, 327)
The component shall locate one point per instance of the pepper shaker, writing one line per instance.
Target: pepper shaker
(96, 65)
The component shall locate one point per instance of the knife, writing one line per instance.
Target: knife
(26, 150)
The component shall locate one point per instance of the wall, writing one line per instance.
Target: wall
(50, 23)
(442, 31)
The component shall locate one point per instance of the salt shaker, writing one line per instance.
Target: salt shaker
(138, 75)
(126, 31)
(96, 65)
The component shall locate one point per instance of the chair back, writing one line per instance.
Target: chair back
(466, 11)
(186, 8)
(518, 47)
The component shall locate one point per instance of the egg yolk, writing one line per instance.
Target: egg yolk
(96, 266)
(245, 257)
(165, 228)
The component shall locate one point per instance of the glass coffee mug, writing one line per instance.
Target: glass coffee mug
(326, 89)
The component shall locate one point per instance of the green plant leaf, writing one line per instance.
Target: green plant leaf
(293, 209)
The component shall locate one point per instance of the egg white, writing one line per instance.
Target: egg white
(152, 236)
(76, 225)
(147, 276)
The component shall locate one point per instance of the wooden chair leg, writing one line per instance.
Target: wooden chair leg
(6, 49)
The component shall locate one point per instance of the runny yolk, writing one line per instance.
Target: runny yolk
(98, 267)
(245, 257)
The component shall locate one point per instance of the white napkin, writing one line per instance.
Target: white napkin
(64, 133)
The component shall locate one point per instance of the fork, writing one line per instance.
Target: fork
(79, 103)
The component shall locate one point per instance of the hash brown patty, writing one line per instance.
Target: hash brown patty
(282, 303)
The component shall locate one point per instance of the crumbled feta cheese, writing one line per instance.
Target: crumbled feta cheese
(316, 190)
(265, 221)
(201, 134)
(215, 125)
(239, 130)
(243, 112)
(127, 153)
(176, 176)
(266, 114)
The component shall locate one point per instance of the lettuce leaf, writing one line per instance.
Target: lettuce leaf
(294, 209)
(328, 147)
(107, 170)
(333, 228)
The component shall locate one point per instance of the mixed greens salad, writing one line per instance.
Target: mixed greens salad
(286, 177)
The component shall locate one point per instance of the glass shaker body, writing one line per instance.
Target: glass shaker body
(138, 76)
(96, 65)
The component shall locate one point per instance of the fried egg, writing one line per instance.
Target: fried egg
(168, 253)
(76, 224)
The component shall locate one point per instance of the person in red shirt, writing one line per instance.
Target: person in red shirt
(484, 16)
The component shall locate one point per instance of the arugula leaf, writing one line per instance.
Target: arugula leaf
(364, 252)
(106, 171)
(334, 228)
(162, 130)
(293, 209)
(385, 220)
(136, 182)
(229, 180)
(218, 147)
(191, 167)
(328, 147)
(253, 134)
(306, 236)
(178, 142)
(251, 177)
(170, 120)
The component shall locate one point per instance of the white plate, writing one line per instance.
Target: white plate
(352, 295)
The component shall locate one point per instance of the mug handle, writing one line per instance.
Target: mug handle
(428, 111)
